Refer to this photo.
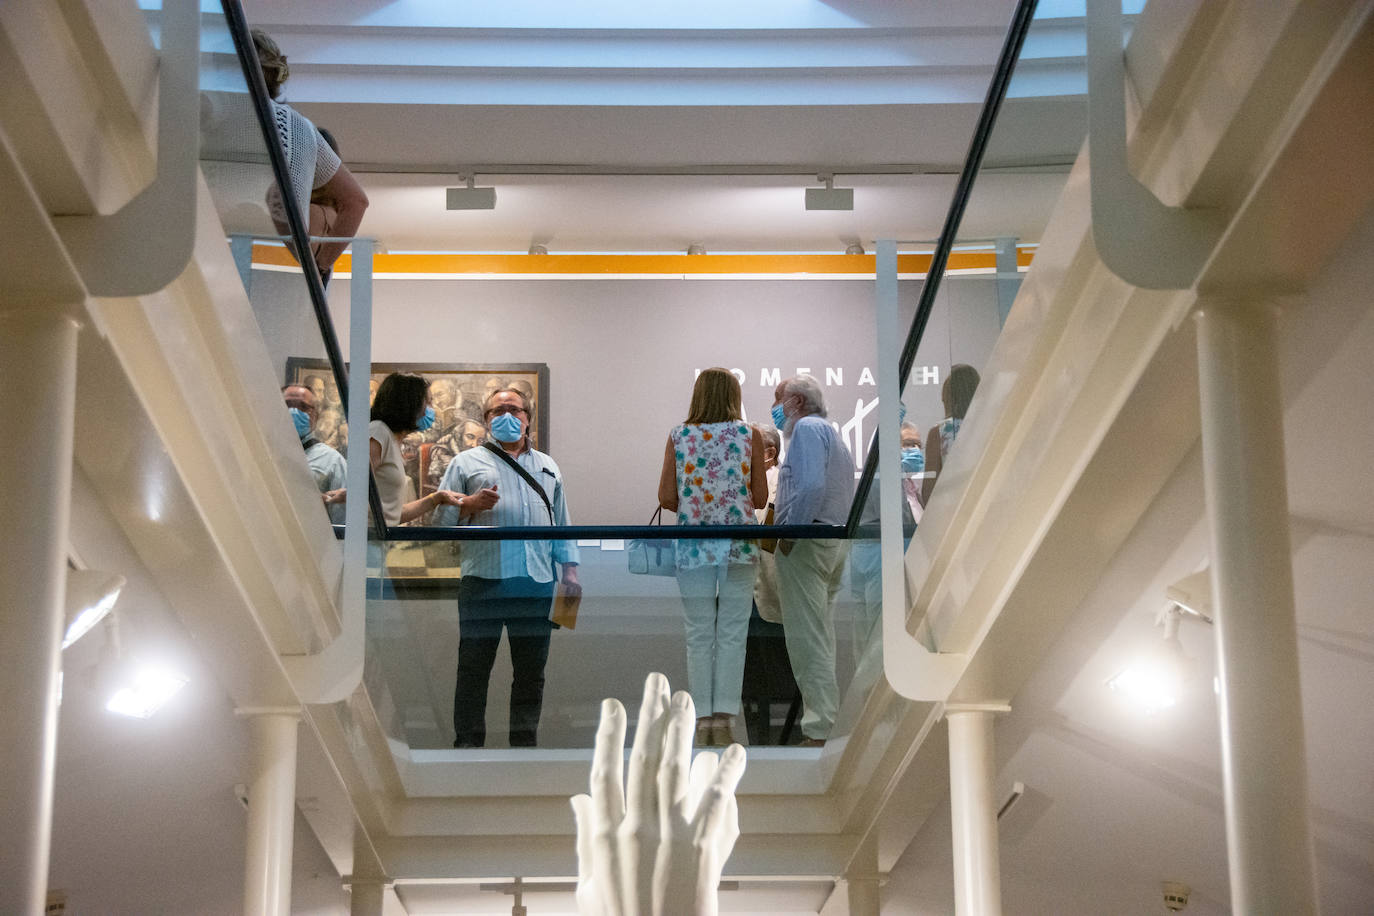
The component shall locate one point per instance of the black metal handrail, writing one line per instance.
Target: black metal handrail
(992, 103)
(300, 236)
(609, 532)
(987, 119)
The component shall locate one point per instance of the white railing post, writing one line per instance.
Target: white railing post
(911, 669)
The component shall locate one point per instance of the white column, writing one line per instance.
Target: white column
(271, 811)
(973, 810)
(38, 371)
(1262, 744)
(366, 896)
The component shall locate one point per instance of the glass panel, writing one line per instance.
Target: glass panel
(627, 625)
(235, 161)
(1013, 194)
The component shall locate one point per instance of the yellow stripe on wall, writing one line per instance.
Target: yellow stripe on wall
(617, 264)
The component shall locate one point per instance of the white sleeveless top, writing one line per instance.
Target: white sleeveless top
(390, 473)
(309, 160)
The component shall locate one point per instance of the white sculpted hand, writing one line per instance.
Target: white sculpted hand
(658, 850)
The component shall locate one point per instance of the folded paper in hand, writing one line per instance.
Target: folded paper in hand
(565, 605)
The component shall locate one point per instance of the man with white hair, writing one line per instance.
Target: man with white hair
(815, 486)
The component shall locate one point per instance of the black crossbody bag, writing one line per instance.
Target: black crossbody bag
(499, 452)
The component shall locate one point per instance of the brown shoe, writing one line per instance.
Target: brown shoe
(811, 742)
(705, 733)
(720, 733)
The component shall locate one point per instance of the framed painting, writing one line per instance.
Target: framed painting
(458, 392)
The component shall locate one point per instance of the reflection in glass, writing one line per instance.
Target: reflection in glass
(628, 625)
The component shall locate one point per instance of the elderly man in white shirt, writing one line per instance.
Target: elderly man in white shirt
(815, 486)
(506, 584)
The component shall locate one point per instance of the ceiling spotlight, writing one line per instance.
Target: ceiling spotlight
(1193, 594)
(150, 690)
(471, 197)
(829, 197)
(696, 248)
(1155, 681)
(537, 248)
(91, 595)
(856, 248)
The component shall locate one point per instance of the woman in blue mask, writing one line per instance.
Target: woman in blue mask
(401, 407)
(713, 474)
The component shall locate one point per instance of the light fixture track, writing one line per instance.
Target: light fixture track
(627, 170)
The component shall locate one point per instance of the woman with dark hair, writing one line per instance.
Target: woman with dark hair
(400, 407)
(713, 474)
(957, 394)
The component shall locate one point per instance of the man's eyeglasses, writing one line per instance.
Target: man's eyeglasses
(505, 408)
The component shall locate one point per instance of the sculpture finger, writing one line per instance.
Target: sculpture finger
(677, 761)
(728, 830)
(731, 768)
(717, 823)
(703, 772)
(607, 784)
(641, 797)
(585, 819)
(717, 817)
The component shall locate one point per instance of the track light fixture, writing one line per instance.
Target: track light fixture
(855, 248)
(471, 197)
(696, 248)
(1156, 679)
(91, 595)
(829, 197)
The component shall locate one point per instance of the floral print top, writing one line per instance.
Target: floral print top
(713, 489)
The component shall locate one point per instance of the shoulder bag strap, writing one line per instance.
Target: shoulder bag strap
(499, 452)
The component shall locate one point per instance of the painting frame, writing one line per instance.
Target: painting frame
(458, 426)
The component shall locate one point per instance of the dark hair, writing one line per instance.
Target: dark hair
(329, 138)
(959, 389)
(400, 400)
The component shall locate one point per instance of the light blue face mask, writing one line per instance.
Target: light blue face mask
(426, 420)
(302, 421)
(913, 460)
(779, 415)
(506, 428)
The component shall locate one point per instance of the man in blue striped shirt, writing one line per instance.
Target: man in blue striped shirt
(506, 584)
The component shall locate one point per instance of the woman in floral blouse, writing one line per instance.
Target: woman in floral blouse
(710, 477)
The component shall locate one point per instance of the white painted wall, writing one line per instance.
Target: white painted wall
(622, 354)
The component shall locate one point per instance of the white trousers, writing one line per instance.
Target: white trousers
(808, 578)
(716, 601)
